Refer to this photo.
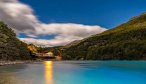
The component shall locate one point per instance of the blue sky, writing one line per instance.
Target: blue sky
(59, 22)
(106, 13)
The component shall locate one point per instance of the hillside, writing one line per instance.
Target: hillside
(11, 48)
(71, 43)
(125, 42)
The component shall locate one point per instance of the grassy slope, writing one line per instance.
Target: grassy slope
(127, 41)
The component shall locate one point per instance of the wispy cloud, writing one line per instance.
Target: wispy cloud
(20, 17)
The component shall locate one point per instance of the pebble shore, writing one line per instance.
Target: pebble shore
(13, 62)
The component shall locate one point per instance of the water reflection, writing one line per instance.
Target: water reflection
(9, 74)
(48, 72)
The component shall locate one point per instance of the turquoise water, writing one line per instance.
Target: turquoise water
(75, 72)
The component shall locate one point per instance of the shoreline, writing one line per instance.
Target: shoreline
(2, 63)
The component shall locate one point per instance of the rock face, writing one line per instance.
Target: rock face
(11, 48)
(125, 42)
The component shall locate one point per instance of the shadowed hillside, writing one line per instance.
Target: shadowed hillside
(125, 42)
(11, 48)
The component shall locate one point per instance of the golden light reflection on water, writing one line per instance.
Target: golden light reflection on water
(49, 72)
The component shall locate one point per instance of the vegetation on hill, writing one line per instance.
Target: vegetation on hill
(11, 48)
(71, 44)
(125, 42)
(55, 50)
(35, 50)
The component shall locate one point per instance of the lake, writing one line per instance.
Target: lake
(75, 72)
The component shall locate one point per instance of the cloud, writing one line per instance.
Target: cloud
(65, 33)
(69, 29)
(58, 41)
(18, 16)
(21, 19)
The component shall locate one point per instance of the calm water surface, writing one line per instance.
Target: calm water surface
(75, 72)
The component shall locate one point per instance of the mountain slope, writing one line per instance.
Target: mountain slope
(10, 47)
(125, 42)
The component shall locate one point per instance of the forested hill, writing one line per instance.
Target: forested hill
(11, 48)
(125, 42)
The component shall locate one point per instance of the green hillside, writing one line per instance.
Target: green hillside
(10, 47)
(125, 42)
